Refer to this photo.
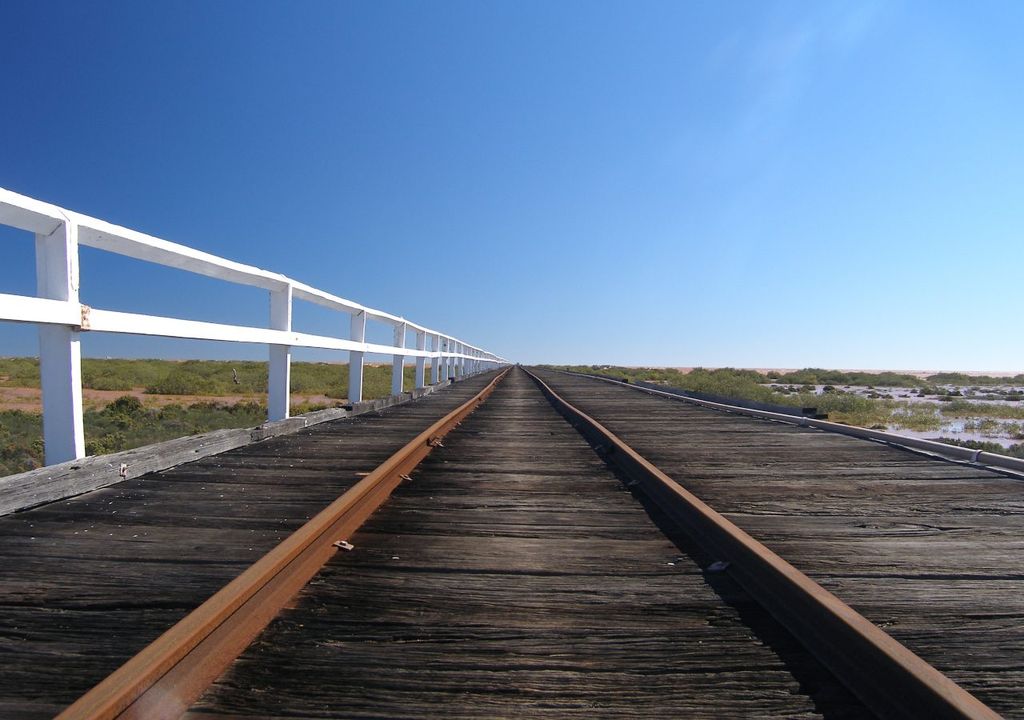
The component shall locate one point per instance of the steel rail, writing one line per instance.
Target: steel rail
(886, 676)
(167, 676)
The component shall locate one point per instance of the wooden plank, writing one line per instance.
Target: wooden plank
(87, 582)
(927, 549)
(516, 575)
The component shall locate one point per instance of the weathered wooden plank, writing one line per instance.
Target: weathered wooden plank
(514, 575)
(927, 549)
(87, 582)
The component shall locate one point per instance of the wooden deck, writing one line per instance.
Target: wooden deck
(933, 552)
(515, 576)
(86, 583)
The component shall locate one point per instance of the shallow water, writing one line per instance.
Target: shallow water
(910, 394)
(1005, 432)
(951, 431)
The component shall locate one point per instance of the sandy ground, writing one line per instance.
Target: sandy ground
(30, 399)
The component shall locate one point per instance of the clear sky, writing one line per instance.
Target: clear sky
(760, 184)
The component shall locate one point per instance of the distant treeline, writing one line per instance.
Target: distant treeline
(205, 377)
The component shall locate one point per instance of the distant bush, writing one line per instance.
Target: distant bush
(328, 379)
(183, 382)
(107, 382)
(1016, 450)
(963, 379)
(731, 383)
(208, 377)
(19, 372)
(21, 441)
(819, 376)
(728, 382)
(107, 443)
(127, 422)
(123, 412)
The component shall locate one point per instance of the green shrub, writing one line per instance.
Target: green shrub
(1016, 450)
(127, 423)
(21, 442)
(819, 376)
(19, 372)
(962, 379)
(183, 382)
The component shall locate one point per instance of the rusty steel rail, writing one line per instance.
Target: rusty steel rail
(887, 677)
(167, 676)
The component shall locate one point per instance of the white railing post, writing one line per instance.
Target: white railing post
(441, 375)
(60, 350)
(357, 333)
(421, 344)
(435, 363)
(280, 371)
(398, 362)
(60, 317)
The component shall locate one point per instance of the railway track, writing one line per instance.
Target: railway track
(518, 571)
(928, 550)
(88, 582)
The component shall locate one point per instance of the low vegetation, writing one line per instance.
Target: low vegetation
(237, 397)
(971, 380)
(818, 376)
(122, 424)
(799, 389)
(750, 385)
(21, 441)
(214, 378)
(132, 420)
(1016, 450)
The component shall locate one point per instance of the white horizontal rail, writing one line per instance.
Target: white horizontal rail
(19, 308)
(134, 324)
(25, 213)
(61, 318)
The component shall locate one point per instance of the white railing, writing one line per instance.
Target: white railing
(61, 319)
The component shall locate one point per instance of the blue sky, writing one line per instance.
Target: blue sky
(760, 184)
